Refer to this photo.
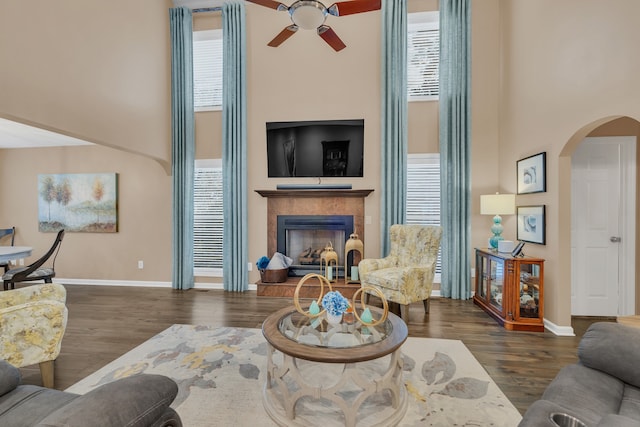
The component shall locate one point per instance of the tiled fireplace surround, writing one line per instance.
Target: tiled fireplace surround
(310, 202)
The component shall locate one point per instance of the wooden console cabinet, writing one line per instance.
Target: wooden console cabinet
(511, 289)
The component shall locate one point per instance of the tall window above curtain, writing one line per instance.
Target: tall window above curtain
(423, 56)
(207, 70)
(423, 193)
(207, 218)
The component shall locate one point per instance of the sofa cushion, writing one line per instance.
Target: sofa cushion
(612, 348)
(135, 401)
(630, 405)
(9, 377)
(28, 404)
(611, 420)
(587, 392)
(390, 278)
(402, 285)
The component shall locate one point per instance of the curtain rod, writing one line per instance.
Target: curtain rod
(206, 9)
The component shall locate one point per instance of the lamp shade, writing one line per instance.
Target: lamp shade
(498, 204)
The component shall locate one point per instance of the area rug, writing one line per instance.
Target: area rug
(221, 373)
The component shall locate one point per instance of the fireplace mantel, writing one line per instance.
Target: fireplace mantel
(314, 193)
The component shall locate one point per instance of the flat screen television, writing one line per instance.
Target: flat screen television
(315, 148)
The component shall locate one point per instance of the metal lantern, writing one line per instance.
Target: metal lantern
(353, 244)
(329, 263)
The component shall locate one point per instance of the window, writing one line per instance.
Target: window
(423, 56)
(207, 218)
(207, 70)
(423, 192)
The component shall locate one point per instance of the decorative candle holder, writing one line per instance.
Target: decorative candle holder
(351, 271)
(329, 263)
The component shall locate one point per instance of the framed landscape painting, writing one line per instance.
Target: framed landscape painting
(531, 224)
(532, 174)
(78, 202)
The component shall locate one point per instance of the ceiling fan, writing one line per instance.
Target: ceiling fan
(311, 14)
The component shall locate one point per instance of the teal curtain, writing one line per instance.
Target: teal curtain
(234, 147)
(455, 146)
(394, 119)
(183, 146)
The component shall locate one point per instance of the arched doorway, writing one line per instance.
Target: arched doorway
(579, 248)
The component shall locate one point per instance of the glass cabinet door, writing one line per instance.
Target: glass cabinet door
(529, 290)
(483, 274)
(496, 284)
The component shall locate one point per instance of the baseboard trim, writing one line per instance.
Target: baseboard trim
(561, 331)
(137, 283)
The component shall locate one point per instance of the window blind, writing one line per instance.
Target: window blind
(207, 217)
(423, 192)
(423, 56)
(207, 69)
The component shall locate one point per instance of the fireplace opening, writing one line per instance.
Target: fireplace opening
(304, 237)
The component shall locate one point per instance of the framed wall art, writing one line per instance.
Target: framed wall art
(532, 174)
(531, 224)
(86, 202)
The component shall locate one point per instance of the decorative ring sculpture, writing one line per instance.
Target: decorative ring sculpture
(385, 305)
(296, 295)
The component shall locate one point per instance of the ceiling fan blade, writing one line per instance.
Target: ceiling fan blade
(284, 34)
(331, 38)
(273, 4)
(343, 8)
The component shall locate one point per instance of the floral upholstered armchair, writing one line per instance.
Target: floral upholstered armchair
(406, 274)
(32, 322)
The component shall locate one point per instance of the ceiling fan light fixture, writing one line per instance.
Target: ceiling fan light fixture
(311, 15)
(308, 14)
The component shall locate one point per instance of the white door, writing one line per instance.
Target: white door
(603, 227)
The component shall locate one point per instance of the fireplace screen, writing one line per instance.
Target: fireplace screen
(305, 246)
(304, 237)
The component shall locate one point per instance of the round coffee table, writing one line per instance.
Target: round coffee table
(317, 371)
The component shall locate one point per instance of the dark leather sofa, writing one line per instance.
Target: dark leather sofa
(141, 401)
(602, 389)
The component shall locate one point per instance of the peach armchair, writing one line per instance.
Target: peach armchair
(406, 274)
(33, 320)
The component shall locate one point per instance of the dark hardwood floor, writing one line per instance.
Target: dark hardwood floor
(106, 322)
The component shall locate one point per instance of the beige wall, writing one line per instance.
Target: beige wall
(532, 91)
(99, 71)
(558, 83)
(485, 101)
(144, 212)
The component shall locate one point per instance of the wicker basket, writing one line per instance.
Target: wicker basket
(274, 276)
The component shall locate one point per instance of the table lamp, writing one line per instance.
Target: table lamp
(497, 204)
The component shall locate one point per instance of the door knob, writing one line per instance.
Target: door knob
(615, 239)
